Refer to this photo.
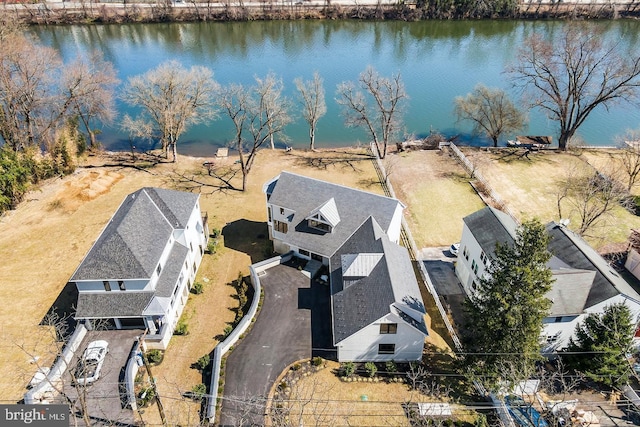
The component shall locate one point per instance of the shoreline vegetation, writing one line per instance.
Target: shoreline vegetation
(127, 11)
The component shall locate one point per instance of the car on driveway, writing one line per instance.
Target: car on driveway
(454, 249)
(89, 367)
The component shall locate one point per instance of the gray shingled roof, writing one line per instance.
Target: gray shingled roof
(368, 299)
(171, 270)
(490, 226)
(570, 291)
(303, 195)
(95, 305)
(577, 253)
(133, 240)
(583, 277)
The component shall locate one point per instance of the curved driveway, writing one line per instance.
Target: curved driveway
(294, 320)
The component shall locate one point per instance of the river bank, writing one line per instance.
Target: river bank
(85, 12)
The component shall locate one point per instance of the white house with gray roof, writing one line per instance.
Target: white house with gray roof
(139, 272)
(314, 218)
(583, 281)
(377, 310)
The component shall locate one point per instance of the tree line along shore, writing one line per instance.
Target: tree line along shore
(126, 11)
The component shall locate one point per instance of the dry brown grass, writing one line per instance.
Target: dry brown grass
(43, 241)
(338, 403)
(437, 193)
(529, 185)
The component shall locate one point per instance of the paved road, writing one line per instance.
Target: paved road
(295, 318)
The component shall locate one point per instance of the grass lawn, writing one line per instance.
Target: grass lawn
(529, 185)
(321, 398)
(437, 193)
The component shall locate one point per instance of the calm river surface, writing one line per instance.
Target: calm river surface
(438, 60)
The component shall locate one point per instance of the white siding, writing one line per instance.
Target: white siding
(96, 286)
(363, 345)
(396, 224)
(464, 271)
(633, 263)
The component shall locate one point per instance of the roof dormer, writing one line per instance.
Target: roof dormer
(325, 217)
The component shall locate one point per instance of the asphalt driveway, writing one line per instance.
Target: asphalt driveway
(294, 323)
(104, 397)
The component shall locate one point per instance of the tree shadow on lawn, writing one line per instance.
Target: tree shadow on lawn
(250, 237)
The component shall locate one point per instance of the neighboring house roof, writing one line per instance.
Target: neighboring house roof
(348, 210)
(370, 278)
(577, 253)
(490, 226)
(569, 291)
(96, 305)
(582, 277)
(131, 244)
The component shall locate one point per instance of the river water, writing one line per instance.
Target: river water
(438, 60)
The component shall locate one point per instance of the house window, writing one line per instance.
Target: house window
(280, 226)
(194, 267)
(388, 328)
(159, 269)
(319, 225)
(121, 285)
(201, 250)
(191, 246)
(474, 285)
(386, 348)
(558, 319)
(484, 258)
(465, 252)
(474, 266)
(107, 285)
(281, 211)
(303, 252)
(269, 213)
(316, 257)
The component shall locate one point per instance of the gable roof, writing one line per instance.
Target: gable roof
(305, 195)
(577, 253)
(328, 211)
(490, 226)
(582, 277)
(389, 284)
(131, 244)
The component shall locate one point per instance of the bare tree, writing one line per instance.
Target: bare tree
(89, 85)
(253, 125)
(30, 104)
(171, 98)
(311, 98)
(491, 112)
(630, 158)
(570, 78)
(592, 196)
(273, 105)
(375, 104)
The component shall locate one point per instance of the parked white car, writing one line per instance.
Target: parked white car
(454, 249)
(89, 367)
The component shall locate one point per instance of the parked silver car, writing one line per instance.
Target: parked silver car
(89, 367)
